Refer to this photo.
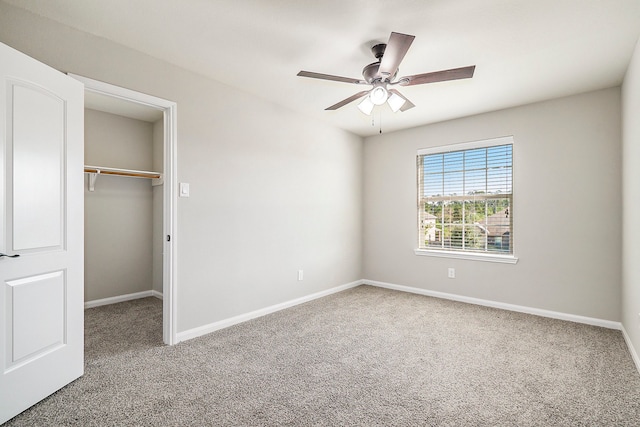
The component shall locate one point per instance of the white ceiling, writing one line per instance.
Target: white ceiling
(524, 50)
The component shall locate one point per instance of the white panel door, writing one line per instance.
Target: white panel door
(41, 220)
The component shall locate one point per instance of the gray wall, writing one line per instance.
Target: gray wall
(567, 200)
(119, 213)
(631, 205)
(272, 191)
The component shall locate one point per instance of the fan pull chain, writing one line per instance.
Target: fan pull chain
(373, 120)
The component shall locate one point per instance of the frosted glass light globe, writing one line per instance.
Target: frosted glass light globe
(378, 95)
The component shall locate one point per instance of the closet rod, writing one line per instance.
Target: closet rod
(94, 171)
(122, 172)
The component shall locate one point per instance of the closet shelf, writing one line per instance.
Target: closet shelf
(94, 171)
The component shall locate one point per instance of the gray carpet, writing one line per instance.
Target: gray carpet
(365, 357)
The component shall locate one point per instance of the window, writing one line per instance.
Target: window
(465, 199)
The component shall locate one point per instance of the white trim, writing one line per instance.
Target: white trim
(460, 146)
(108, 89)
(156, 294)
(474, 256)
(221, 324)
(170, 214)
(632, 350)
(119, 298)
(468, 255)
(503, 306)
(170, 228)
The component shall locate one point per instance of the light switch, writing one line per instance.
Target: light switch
(184, 189)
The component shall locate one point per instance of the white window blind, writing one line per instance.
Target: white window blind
(465, 198)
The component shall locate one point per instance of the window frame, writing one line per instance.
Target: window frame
(509, 258)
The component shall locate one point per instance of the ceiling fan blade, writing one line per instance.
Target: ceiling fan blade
(330, 77)
(438, 76)
(396, 49)
(348, 100)
(407, 104)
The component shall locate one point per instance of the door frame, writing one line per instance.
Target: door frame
(169, 217)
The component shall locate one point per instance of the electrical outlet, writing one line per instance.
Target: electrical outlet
(300, 274)
(452, 273)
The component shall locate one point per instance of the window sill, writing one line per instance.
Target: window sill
(506, 259)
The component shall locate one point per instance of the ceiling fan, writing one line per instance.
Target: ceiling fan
(382, 76)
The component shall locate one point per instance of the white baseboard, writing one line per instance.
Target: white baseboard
(632, 350)
(121, 298)
(504, 306)
(206, 329)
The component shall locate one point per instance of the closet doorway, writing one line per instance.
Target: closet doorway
(130, 145)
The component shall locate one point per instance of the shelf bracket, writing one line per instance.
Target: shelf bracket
(93, 176)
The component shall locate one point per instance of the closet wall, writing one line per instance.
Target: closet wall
(119, 213)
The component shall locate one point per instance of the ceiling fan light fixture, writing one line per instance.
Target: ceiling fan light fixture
(366, 106)
(395, 102)
(379, 95)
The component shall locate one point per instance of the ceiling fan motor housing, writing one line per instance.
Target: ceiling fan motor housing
(371, 74)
